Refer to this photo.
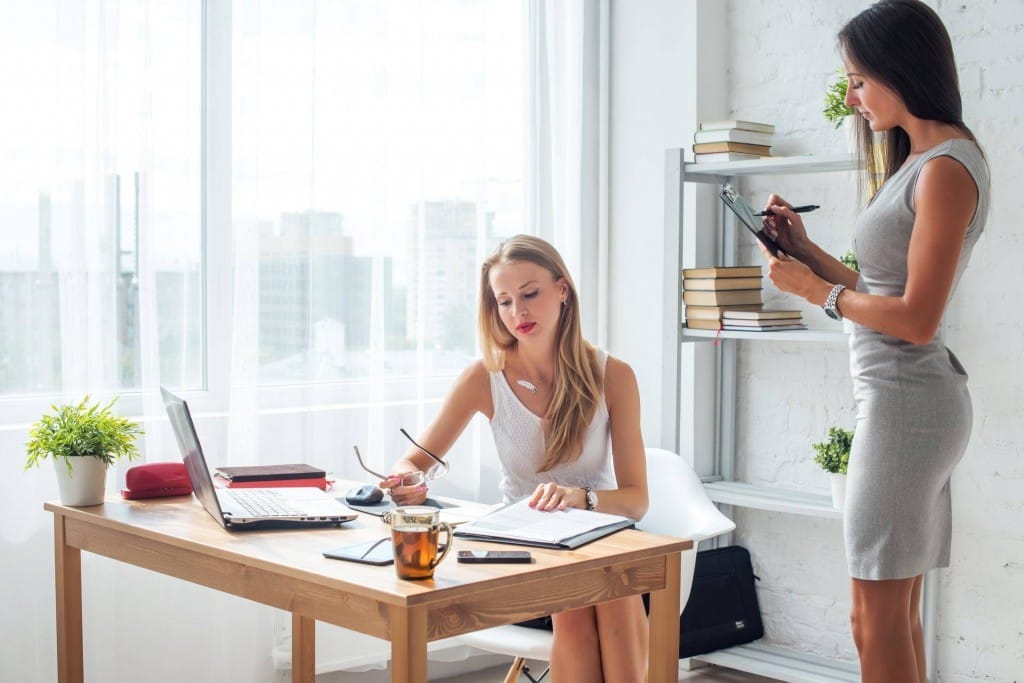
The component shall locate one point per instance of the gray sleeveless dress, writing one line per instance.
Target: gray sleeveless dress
(913, 410)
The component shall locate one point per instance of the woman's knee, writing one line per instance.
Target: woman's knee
(879, 609)
(577, 626)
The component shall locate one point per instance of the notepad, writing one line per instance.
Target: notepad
(520, 524)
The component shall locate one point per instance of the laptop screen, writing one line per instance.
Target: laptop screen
(192, 453)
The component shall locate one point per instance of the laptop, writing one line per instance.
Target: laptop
(238, 509)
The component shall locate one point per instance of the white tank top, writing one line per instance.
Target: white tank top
(519, 440)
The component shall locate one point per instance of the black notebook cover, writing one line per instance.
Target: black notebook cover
(268, 472)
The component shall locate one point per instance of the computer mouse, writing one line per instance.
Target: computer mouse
(364, 495)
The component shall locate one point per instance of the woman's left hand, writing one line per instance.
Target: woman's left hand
(788, 274)
(551, 496)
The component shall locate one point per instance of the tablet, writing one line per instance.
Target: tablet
(377, 552)
(739, 206)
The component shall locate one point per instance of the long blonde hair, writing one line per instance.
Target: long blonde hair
(578, 384)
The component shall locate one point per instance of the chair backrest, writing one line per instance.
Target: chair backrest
(680, 507)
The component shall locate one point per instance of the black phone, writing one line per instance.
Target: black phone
(747, 217)
(377, 552)
(495, 556)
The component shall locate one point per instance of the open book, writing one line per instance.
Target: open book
(521, 524)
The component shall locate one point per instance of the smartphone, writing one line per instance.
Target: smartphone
(739, 206)
(379, 552)
(495, 556)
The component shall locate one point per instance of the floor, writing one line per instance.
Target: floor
(705, 675)
(496, 674)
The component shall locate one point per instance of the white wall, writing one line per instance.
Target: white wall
(779, 55)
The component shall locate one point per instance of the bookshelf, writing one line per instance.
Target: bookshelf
(760, 658)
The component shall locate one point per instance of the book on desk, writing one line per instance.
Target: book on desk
(520, 524)
(271, 476)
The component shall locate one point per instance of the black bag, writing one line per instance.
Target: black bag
(722, 610)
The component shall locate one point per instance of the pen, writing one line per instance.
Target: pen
(796, 209)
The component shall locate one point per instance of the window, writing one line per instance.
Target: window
(99, 218)
(377, 155)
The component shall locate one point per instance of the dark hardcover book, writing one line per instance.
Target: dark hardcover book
(269, 472)
(319, 482)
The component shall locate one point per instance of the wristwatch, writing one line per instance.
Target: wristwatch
(590, 497)
(830, 303)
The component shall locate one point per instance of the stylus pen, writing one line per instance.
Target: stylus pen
(796, 209)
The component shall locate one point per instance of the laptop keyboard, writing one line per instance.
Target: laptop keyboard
(263, 503)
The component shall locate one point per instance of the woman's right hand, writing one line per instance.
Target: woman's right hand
(786, 227)
(403, 495)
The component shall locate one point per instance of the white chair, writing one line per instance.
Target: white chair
(678, 507)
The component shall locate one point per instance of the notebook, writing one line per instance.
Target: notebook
(250, 508)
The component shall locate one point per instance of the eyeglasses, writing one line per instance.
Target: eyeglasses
(418, 478)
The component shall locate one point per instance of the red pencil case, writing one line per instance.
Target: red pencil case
(156, 480)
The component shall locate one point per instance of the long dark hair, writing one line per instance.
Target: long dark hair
(903, 45)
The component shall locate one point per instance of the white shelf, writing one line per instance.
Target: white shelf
(771, 498)
(716, 173)
(782, 663)
(691, 335)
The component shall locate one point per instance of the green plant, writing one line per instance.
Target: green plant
(834, 455)
(835, 100)
(82, 430)
(849, 259)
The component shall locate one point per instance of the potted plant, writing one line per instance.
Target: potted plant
(836, 112)
(849, 259)
(834, 455)
(83, 439)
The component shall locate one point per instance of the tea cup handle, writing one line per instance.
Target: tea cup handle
(447, 544)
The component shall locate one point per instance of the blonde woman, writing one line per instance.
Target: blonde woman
(566, 423)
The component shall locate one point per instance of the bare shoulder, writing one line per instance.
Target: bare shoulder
(619, 380)
(474, 378)
(945, 180)
(472, 389)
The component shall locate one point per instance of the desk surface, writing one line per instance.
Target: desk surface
(286, 569)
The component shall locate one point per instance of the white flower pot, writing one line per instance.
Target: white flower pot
(86, 483)
(838, 482)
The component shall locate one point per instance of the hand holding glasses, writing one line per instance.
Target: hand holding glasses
(411, 479)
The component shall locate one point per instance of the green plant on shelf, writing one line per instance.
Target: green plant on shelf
(849, 259)
(82, 430)
(833, 455)
(836, 110)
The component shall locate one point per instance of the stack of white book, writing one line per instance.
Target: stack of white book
(733, 140)
(764, 320)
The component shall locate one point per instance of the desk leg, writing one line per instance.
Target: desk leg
(409, 645)
(663, 665)
(68, 578)
(303, 649)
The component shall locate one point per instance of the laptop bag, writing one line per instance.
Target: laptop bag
(722, 610)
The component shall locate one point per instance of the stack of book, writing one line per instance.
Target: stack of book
(709, 293)
(718, 141)
(764, 320)
(271, 476)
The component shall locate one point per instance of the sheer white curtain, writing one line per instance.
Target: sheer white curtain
(567, 134)
(370, 155)
(99, 271)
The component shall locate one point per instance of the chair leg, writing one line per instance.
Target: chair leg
(526, 672)
(513, 672)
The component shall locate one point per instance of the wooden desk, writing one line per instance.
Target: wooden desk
(285, 569)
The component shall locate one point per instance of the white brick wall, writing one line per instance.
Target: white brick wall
(782, 54)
